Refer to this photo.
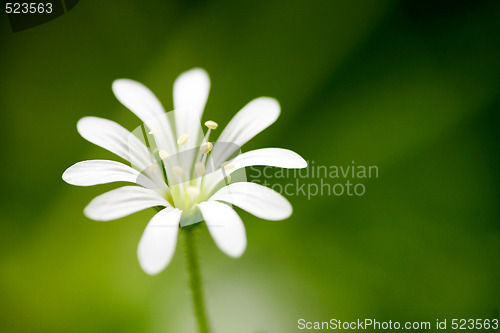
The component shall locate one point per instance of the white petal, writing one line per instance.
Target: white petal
(144, 104)
(256, 199)
(123, 201)
(191, 90)
(225, 226)
(275, 157)
(113, 137)
(256, 116)
(157, 245)
(94, 172)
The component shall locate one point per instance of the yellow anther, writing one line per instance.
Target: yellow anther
(228, 178)
(178, 170)
(153, 168)
(153, 132)
(227, 165)
(182, 139)
(200, 169)
(211, 124)
(206, 148)
(163, 155)
(192, 191)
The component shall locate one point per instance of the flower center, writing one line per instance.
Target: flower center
(184, 172)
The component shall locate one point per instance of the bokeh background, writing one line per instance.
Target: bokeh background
(410, 86)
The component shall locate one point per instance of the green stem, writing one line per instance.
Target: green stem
(193, 268)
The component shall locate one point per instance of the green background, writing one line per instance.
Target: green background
(409, 86)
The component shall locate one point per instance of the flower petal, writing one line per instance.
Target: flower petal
(225, 226)
(113, 137)
(191, 90)
(157, 245)
(256, 199)
(94, 172)
(144, 104)
(256, 116)
(123, 201)
(275, 157)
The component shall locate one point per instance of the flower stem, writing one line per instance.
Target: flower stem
(193, 268)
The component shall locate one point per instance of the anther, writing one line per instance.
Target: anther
(227, 165)
(206, 148)
(211, 124)
(178, 170)
(200, 169)
(182, 139)
(153, 132)
(163, 155)
(192, 191)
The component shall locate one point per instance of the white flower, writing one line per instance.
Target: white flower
(179, 175)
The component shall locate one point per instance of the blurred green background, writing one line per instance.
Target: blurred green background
(410, 86)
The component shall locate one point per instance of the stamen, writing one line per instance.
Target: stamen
(200, 169)
(153, 168)
(182, 139)
(153, 132)
(211, 124)
(227, 178)
(227, 165)
(206, 147)
(178, 170)
(163, 155)
(192, 191)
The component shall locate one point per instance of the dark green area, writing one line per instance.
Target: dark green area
(409, 86)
